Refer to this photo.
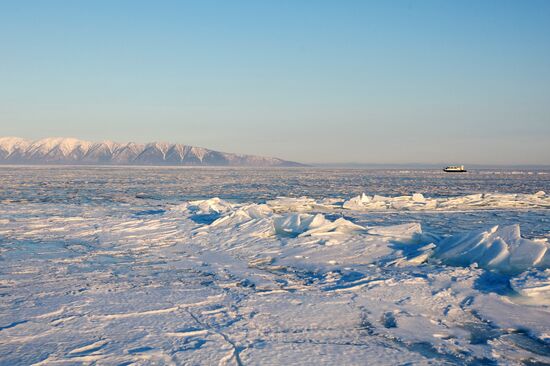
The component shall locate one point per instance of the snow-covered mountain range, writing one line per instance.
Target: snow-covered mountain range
(15, 150)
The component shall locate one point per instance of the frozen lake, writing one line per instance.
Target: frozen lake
(112, 184)
(289, 266)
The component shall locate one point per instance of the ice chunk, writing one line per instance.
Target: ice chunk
(418, 197)
(257, 211)
(416, 260)
(356, 202)
(244, 214)
(307, 224)
(534, 284)
(499, 248)
(526, 253)
(210, 206)
(378, 198)
(339, 225)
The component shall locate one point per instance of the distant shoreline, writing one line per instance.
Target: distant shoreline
(472, 168)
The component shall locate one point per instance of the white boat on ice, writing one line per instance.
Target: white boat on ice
(455, 169)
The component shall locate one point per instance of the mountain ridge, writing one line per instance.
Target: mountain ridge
(72, 151)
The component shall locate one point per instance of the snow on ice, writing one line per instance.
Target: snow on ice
(285, 281)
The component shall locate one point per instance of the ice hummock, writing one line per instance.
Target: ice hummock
(499, 248)
(311, 225)
(210, 206)
(418, 202)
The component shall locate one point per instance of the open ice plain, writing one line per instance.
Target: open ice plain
(286, 266)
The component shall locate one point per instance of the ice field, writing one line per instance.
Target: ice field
(301, 266)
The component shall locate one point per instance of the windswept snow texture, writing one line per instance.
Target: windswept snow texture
(70, 151)
(154, 266)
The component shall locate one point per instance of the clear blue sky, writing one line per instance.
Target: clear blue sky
(307, 80)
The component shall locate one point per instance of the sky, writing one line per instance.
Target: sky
(314, 81)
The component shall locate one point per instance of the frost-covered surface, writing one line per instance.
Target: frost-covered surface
(121, 277)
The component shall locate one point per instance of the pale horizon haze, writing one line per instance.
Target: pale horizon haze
(308, 81)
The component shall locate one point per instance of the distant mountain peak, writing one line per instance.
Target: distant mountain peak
(72, 151)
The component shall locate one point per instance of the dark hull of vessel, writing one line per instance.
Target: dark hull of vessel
(455, 171)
